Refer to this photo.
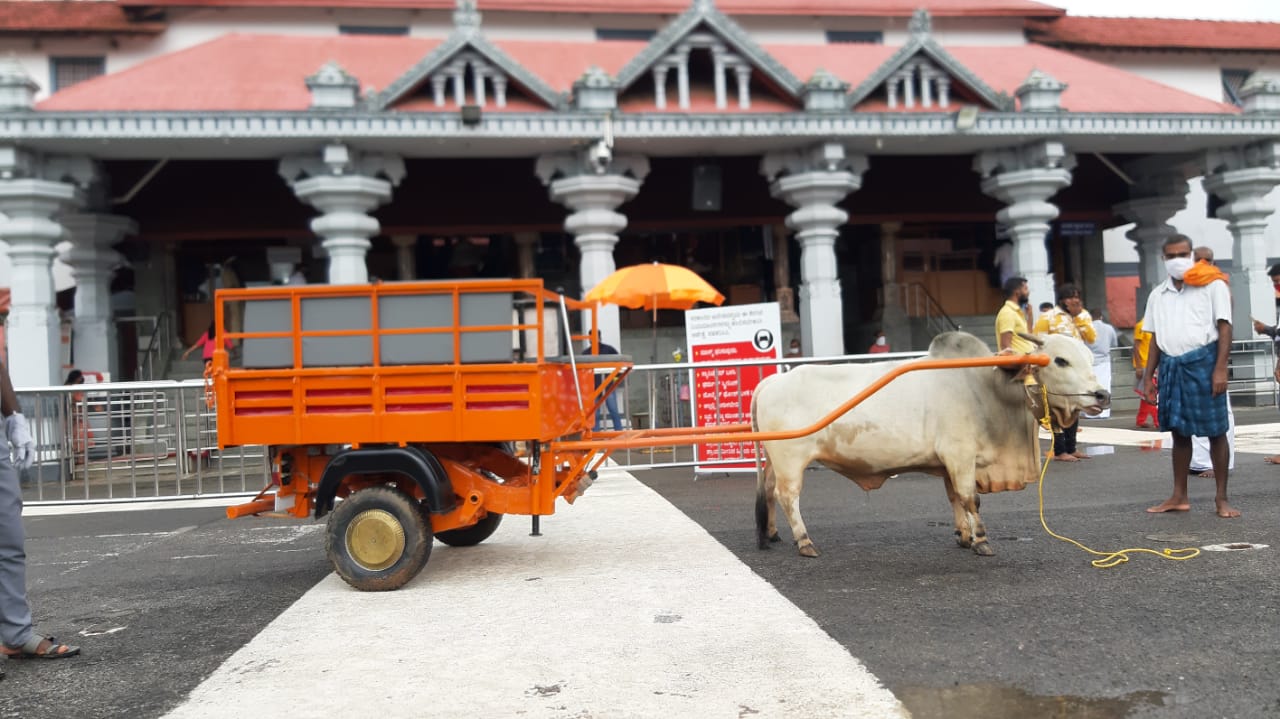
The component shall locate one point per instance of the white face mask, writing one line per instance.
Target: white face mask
(881, 341)
(1178, 266)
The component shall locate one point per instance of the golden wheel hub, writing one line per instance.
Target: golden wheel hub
(375, 539)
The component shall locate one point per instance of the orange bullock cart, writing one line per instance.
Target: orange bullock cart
(394, 409)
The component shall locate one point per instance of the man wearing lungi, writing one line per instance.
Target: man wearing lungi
(1191, 342)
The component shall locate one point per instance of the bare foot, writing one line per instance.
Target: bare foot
(1274, 459)
(1169, 505)
(1207, 474)
(1226, 511)
(1065, 458)
(1081, 454)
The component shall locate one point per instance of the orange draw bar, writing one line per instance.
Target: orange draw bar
(668, 436)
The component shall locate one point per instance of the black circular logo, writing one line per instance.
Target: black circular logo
(763, 340)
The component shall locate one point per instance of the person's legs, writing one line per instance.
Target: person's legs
(1060, 451)
(15, 613)
(611, 404)
(1219, 448)
(1178, 501)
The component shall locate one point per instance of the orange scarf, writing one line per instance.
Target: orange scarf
(1202, 273)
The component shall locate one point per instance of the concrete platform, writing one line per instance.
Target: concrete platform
(624, 608)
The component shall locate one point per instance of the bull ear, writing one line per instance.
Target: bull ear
(1033, 339)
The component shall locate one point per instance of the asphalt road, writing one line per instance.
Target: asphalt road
(157, 599)
(1035, 630)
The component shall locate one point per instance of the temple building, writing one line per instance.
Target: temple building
(866, 165)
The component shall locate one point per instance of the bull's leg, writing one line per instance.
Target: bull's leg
(790, 479)
(964, 537)
(771, 490)
(964, 484)
(981, 546)
(766, 503)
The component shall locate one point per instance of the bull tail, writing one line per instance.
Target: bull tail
(762, 501)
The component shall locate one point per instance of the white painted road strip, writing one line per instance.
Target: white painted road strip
(1250, 438)
(624, 608)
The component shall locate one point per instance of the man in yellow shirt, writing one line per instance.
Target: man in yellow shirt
(1012, 317)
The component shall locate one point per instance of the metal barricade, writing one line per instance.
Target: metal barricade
(663, 395)
(131, 441)
(1251, 379)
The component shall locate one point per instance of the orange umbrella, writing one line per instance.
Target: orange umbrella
(653, 287)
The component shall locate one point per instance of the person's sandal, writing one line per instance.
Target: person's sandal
(31, 650)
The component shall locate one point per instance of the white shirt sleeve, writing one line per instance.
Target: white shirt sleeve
(1221, 297)
(1148, 317)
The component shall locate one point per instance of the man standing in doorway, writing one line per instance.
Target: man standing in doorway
(1011, 320)
(1191, 341)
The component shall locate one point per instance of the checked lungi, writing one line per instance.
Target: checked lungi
(1187, 403)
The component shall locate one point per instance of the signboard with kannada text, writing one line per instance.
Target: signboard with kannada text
(722, 395)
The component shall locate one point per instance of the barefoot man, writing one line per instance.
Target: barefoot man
(1191, 341)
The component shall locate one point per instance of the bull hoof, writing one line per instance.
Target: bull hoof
(775, 538)
(962, 542)
(983, 549)
(808, 550)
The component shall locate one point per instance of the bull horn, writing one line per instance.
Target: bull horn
(1033, 339)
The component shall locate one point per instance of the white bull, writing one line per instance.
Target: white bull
(974, 427)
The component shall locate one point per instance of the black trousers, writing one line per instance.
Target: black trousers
(1065, 442)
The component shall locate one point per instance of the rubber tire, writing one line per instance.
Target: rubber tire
(473, 535)
(417, 539)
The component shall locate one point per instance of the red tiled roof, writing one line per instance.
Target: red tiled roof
(1091, 86)
(256, 72)
(870, 8)
(70, 16)
(243, 72)
(1156, 33)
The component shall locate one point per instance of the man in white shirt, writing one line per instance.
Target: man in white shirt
(1191, 342)
(1105, 341)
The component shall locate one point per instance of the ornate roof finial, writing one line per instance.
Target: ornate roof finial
(920, 23)
(466, 16)
(1261, 93)
(17, 89)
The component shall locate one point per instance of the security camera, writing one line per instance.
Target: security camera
(599, 155)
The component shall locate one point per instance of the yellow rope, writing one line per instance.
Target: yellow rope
(1108, 559)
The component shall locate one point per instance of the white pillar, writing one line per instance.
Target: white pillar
(345, 186)
(406, 259)
(28, 206)
(1156, 199)
(814, 181)
(1025, 178)
(1243, 177)
(593, 190)
(93, 335)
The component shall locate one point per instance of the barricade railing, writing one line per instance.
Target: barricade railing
(1252, 380)
(130, 441)
(660, 396)
(146, 441)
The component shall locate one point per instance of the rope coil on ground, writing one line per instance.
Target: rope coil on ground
(1106, 559)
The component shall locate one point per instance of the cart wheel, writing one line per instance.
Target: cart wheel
(473, 535)
(377, 539)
